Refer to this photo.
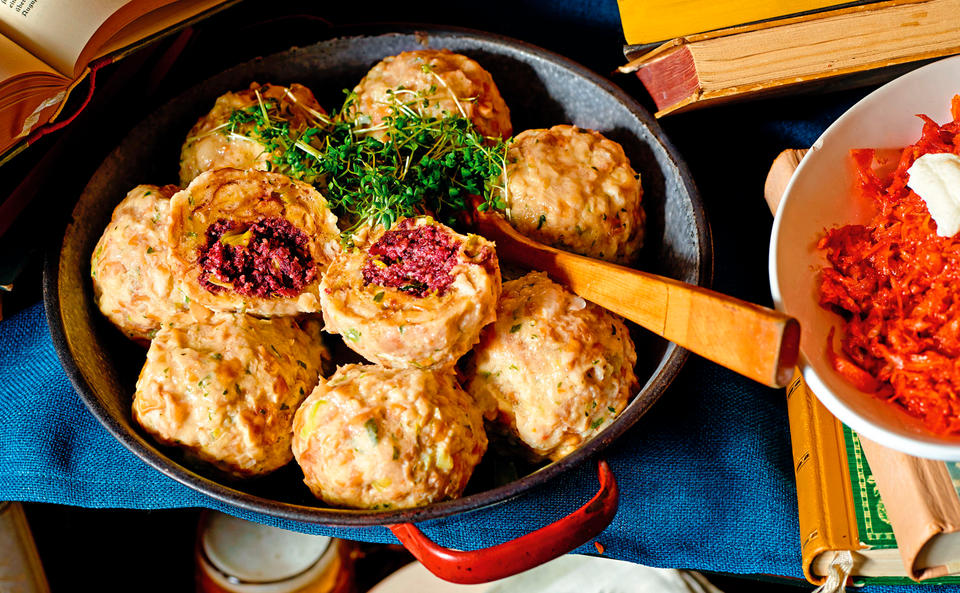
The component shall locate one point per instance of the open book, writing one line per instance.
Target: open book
(48, 46)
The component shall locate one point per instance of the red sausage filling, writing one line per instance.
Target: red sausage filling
(268, 258)
(414, 259)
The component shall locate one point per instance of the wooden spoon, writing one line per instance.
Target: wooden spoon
(755, 341)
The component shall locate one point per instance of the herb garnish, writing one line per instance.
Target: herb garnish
(373, 430)
(407, 165)
(285, 135)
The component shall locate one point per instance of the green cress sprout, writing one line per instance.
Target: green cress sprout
(268, 124)
(407, 165)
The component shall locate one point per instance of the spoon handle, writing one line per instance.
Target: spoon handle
(755, 341)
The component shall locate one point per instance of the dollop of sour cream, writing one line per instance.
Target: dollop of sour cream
(936, 179)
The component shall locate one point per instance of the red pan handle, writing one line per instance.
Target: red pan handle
(523, 553)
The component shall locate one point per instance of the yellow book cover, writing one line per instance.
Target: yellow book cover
(650, 21)
(843, 523)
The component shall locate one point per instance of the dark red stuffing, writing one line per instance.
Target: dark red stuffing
(414, 259)
(268, 258)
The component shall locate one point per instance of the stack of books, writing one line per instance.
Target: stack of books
(692, 53)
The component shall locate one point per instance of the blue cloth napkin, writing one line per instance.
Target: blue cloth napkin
(706, 471)
(705, 477)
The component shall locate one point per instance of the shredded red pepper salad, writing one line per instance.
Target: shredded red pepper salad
(897, 285)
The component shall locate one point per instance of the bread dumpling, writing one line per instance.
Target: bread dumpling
(554, 370)
(436, 83)
(235, 134)
(132, 280)
(574, 189)
(226, 389)
(252, 242)
(376, 438)
(416, 295)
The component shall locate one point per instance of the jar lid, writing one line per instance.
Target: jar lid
(257, 553)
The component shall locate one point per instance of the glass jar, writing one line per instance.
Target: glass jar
(237, 556)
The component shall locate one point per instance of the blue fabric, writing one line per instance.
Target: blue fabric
(705, 477)
(703, 470)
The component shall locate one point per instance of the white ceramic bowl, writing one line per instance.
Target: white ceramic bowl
(821, 195)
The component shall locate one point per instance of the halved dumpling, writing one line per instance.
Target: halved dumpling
(416, 295)
(252, 241)
(253, 129)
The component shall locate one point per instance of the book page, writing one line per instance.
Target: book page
(18, 61)
(30, 92)
(34, 108)
(58, 31)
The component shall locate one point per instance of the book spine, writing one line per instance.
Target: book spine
(922, 503)
(825, 501)
(671, 78)
(638, 50)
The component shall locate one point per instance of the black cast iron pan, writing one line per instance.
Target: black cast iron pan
(541, 88)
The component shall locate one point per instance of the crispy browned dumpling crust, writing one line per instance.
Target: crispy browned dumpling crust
(371, 437)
